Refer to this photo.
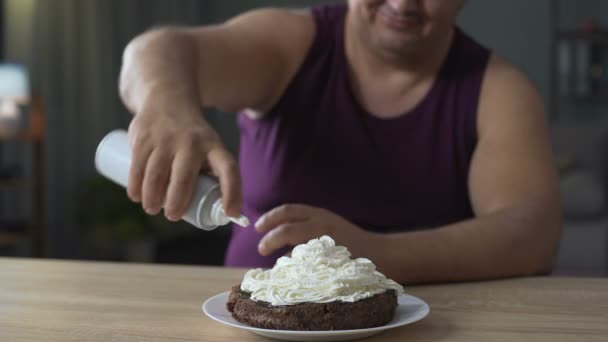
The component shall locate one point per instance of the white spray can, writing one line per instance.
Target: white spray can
(113, 160)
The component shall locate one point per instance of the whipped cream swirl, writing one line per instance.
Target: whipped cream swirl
(317, 272)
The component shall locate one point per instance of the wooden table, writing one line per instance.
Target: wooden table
(43, 300)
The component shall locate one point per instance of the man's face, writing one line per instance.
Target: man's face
(401, 25)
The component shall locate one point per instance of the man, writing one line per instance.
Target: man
(376, 122)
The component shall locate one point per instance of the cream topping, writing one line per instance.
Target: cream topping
(318, 272)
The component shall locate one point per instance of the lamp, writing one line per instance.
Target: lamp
(14, 96)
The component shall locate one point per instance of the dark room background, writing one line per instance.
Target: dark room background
(72, 49)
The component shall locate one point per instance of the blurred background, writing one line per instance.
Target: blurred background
(58, 85)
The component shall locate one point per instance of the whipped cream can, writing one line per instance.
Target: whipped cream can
(113, 161)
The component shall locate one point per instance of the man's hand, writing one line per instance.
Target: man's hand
(294, 224)
(169, 152)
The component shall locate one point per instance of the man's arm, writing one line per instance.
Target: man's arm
(514, 192)
(244, 62)
(169, 74)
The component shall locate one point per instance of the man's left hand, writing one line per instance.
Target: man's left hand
(294, 224)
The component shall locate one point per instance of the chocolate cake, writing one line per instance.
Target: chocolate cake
(319, 287)
(365, 313)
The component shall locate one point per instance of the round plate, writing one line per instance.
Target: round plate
(410, 310)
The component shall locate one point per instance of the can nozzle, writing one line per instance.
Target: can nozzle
(242, 220)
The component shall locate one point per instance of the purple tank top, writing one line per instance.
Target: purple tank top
(319, 147)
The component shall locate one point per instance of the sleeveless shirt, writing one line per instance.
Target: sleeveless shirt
(319, 147)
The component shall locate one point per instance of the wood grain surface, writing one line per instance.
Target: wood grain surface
(49, 300)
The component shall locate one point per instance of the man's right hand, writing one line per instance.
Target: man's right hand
(169, 153)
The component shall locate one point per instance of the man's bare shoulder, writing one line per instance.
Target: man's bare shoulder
(504, 75)
(277, 18)
(507, 94)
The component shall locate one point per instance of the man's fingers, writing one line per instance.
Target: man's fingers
(289, 234)
(287, 213)
(182, 183)
(155, 181)
(225, 167)
(140, 153)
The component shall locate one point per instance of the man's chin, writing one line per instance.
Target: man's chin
(401, 45)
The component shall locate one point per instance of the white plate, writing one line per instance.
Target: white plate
(410, 310)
